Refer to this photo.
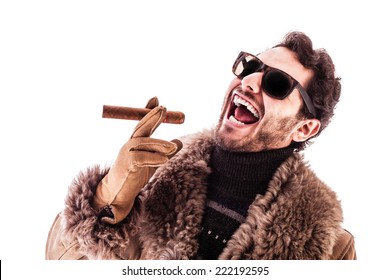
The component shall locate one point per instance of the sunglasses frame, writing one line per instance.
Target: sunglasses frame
(266, 68)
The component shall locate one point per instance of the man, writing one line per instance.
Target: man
(241, 191)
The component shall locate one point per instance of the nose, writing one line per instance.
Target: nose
(252, 82)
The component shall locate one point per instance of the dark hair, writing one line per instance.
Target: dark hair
(324, 88)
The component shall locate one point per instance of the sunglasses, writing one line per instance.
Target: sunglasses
(275, 83)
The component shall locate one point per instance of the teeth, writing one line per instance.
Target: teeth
(233, 119)
(238, 101)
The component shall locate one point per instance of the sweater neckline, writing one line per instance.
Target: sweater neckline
(249, 166)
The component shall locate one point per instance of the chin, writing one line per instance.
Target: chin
(228, 139)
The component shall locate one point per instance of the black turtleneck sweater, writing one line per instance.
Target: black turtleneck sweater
(236, 179)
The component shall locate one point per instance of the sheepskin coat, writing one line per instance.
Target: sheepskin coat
(299, 217)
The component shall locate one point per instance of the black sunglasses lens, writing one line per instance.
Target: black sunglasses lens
(276, 84)
(246, 65)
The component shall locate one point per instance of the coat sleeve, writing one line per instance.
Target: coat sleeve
(58, 247)
(344, 248)
(78, 233)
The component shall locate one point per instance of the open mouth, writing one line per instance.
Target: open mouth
(241, 112)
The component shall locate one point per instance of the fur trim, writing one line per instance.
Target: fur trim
(97, 240)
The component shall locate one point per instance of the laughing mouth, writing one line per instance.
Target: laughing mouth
(242, 112)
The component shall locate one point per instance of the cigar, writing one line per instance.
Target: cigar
(128, 113)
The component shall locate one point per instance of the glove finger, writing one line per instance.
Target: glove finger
(152, 103)
(179, 146)
(152, 145)
(147, 159)
(148, 124)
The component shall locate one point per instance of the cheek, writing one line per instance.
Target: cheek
(272, 107)
(288, 107)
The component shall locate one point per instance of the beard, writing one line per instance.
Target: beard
(272, 132)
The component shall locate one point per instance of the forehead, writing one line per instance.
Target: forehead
(287, 61)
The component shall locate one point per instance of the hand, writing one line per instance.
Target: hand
(137, 161)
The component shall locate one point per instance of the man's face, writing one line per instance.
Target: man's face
(253, 121)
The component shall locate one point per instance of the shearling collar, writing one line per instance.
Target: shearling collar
(299, 217)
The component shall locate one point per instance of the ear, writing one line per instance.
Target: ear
(306, 129)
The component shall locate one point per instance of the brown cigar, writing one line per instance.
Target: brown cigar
(128, 113)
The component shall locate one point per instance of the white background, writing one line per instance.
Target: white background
(60, 61)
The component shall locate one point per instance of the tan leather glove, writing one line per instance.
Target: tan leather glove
(137, 161)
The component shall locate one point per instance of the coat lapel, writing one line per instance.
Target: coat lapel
(174, 203)
(298, 218)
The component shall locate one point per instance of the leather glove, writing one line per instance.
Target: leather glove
(135, 164)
